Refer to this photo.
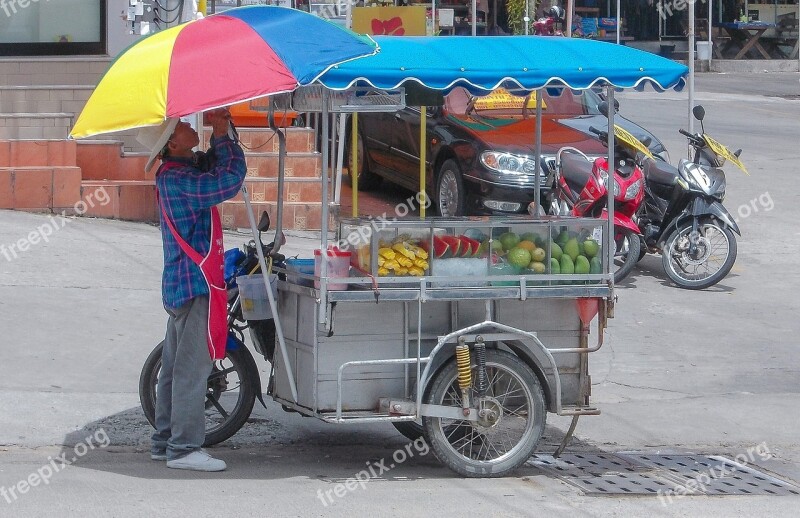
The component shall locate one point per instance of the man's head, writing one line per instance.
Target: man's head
(173, 137)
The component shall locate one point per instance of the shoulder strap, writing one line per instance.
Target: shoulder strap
(188, 250)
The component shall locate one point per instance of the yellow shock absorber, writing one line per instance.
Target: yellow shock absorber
(464, 374)
(463, 362)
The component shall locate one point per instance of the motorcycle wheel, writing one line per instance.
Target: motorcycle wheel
(224, 415)
(412, 430)
(476, 449)
(710, 263)
(627, 254)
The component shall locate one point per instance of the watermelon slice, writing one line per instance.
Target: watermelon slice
(454, 243)
(472, 246)
(441, 250)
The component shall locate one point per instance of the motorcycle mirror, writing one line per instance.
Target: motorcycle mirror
(737, 153)
(647, 141)
(264, 222)
(603, 108)
(616, 105)
(699, 112)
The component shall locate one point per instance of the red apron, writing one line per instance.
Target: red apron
(212, 266)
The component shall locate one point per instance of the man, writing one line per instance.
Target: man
(189, 187)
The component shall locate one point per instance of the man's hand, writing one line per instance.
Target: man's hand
(219, 120)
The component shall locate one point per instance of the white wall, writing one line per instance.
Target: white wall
(118, 37)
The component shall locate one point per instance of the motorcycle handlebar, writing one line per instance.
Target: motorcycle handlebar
(685, 133)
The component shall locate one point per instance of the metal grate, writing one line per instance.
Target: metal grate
(663, 475)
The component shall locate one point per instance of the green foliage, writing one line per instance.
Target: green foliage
(516, 13)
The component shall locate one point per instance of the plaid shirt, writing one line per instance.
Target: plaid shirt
(187, 194)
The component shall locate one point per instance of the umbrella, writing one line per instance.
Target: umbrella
(235, 56)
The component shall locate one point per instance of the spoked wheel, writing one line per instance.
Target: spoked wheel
(229, 399)
(506, 437)
(627, 253)
(712, 258)
(450, 190)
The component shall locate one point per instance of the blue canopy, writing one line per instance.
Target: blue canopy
(483, 63)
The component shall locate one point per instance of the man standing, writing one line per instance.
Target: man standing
(189, 186)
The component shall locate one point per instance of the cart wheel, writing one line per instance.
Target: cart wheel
(411, 429)
(229, 399)
(488, 449)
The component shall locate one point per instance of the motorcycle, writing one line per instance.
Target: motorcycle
(580, 188)
(551, 24)
(683, 218)
(234, 382)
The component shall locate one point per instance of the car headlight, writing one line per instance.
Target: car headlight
(633, 190)
(508, 163)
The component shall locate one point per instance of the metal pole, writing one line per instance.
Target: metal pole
(527, 18)
(691, 67)
(570, 11)
(619, 23)
(537, 194)
(354, 164)
(281, 168)
(433, 18)
(474, 17)
(337, 188)
(610, 241)
(323, 267)
(423, 136)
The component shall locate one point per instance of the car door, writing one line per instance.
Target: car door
(377, 130)
(405, 146)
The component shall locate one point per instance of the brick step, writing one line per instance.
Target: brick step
(295, 190)
(296, 216)
(296, 165)
(130, 200)
(41, 189)
(298, 140)
(37, 153)
(104, 160)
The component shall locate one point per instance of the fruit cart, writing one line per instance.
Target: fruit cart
(463, 331)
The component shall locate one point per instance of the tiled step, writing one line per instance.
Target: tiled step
(295, 190)
(129, 200)
(104, 160)
(37, 153)
(41, 189)
(297, 216)
(296, 165)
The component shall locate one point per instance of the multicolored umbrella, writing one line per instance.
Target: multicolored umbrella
(241, 54)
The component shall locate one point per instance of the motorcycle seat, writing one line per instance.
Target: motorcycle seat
(660, 172)
(576, 170)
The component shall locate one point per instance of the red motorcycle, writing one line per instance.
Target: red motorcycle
(580, 188)
(551, 24)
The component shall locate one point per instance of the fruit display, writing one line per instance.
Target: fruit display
(476, 250)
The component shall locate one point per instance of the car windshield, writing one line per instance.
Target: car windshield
(503, 104)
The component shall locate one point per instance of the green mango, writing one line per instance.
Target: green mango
(582, 265)
(555, 266)
(571, 249)
(591, 247)
(595, 266)
(555, 251)
(567, 266)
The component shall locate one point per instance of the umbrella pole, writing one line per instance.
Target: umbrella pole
(423, 130)
(323, 267)
(537, 194)
(265, 275)
(281, 167)
(337, 193)
(610, 241)
(354, 163)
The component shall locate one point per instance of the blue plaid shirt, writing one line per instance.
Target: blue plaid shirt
(187, 194)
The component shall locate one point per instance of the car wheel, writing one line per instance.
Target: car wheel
(367, 180)
(449, 190)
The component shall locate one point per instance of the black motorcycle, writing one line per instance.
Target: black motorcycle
(682, 216)
(234, 382)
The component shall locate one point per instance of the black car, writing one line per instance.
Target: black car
(479, 157)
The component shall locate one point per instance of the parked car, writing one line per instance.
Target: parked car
(480, 149)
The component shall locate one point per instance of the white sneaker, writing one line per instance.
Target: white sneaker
(198, 460)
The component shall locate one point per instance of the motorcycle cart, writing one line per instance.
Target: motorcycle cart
(465, 331)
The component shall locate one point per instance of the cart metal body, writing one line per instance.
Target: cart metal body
(390, 348)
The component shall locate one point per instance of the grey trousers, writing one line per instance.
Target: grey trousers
(183, 381)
